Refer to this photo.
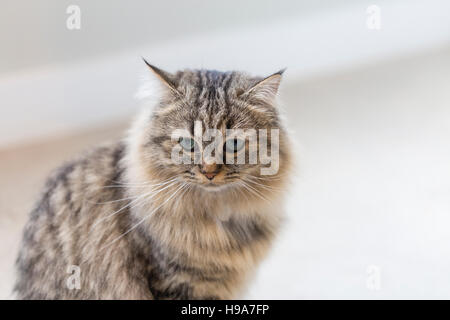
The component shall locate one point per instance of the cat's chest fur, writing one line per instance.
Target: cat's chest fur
(194, 253)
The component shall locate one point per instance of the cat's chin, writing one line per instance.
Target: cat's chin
(213, 187)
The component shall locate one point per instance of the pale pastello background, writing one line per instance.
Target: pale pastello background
(366, 96)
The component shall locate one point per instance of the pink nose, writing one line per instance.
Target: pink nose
(210, 175)
(209, 169)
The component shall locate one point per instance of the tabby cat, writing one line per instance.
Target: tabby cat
(124, 221)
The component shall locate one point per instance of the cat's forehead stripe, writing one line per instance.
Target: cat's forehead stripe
(212, 99)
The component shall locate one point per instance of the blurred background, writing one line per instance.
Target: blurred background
(366, 96)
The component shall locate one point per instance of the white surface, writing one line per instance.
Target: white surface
(373, 181)
(56, 99)
(373, 187)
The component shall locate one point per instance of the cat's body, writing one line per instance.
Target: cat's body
(136, 232)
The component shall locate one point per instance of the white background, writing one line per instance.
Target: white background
(369, 113)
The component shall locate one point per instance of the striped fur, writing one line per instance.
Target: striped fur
(141, 227)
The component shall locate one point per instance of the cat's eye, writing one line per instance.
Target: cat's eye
(234, 145)
(187, 144)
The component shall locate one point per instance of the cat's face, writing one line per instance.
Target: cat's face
(214, 123)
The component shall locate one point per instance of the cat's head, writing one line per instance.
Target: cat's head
(211, 130)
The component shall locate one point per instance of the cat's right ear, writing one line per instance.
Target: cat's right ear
(165, 79)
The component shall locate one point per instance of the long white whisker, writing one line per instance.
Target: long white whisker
(268, 178)
(142, 201)
(146, 217)
(143, 185)
(254, 191)
(151, 194)
(270, 188)
(113, 201)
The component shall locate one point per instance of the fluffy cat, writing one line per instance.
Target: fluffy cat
(125, 222)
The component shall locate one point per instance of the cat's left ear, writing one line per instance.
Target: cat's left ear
(267, 88)
(166, 79)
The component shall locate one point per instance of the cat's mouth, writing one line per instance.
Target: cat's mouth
(209, 182)
(213, 183)
(211, 186)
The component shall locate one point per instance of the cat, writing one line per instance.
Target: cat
(123, 221)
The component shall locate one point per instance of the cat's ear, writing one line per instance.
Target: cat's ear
(267, 88)
(166, 80)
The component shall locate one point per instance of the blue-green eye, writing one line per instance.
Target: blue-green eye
(234, 145)
(187, 143)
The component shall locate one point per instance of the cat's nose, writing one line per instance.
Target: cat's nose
(209, 170)
(210, 175)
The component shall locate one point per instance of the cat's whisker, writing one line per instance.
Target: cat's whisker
(268, 178)
(138, 201)
(142, 201)
(112, 201)
(145, 218)
(254, 191)
(128, 186)
(143, 185)
(238, 194)
(270, 188)
(150, 194)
